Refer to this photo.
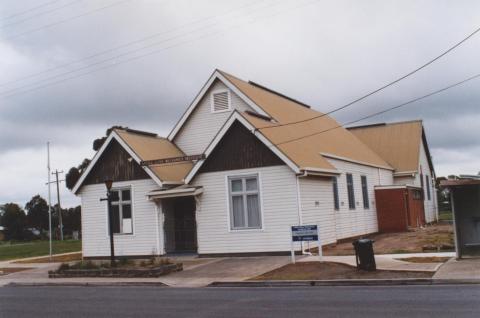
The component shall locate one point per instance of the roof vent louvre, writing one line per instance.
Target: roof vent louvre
(220, 101)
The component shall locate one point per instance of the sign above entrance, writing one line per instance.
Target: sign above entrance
(304, 233)
(172, 160)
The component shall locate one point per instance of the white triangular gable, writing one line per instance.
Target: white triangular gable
(113, 135)
(217, 75)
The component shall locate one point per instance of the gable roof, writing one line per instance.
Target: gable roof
(309, 152)
(142, 147)
(398, 143)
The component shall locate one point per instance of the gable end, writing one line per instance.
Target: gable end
(239, 149)
(117, 164)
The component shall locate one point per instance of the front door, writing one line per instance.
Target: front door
(185, 225)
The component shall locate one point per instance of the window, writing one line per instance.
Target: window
(366, 204)
(244, 203)
(220, 101)
(122, 211)
(336, 202)
(421, 184)
(427, 183)
(351, 194)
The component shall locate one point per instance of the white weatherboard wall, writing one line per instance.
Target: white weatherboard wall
(316, 198)
(202, 125)
(358, 221)
(143, 241)
(278, 194)
(430, 205)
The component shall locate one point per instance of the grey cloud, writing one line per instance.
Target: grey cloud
(326, 55)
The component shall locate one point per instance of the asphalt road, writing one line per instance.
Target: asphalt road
(405, 301)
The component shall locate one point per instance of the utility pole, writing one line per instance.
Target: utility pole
(60, 222)
(49, 202)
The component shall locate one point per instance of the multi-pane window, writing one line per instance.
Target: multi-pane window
(350, 191)
(244, 202)
(336, 201)
(427, 183)
(122, 211)
(366, 203)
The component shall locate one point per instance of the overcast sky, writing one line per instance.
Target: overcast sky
(57, 85)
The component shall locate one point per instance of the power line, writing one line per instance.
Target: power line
(66, 20)
(100, 53)
(143, 55)
(39, 14)
(115, 57)
(385, 110)
(383, 87)
(29, 10)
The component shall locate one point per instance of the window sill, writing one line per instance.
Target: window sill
(246, 230)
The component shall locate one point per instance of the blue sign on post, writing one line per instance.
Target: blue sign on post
(304, 233)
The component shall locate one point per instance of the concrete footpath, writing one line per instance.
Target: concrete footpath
(234, 271)
(459, 269)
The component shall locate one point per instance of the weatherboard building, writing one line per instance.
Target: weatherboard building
(241, 166)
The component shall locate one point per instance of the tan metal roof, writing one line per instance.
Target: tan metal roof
(149, 147)
(307, 152)
(397, 143)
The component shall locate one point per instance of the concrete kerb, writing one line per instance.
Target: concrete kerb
(348, 282)
(87, 284)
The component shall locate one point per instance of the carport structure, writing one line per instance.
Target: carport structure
(465, 200)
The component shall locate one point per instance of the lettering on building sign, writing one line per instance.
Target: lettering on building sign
(172, 160)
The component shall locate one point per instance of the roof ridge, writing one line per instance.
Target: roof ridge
(387, 124)
(140, 132)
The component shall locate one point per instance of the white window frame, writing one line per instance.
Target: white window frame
(212, 103)
(120, 202)
(244, 193)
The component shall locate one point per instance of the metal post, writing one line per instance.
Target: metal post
(49, 203)
(292, 246)
(60, 222)
(320, 249)
(110, 227)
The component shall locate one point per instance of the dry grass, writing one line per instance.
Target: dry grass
(431, 259)
(328, 270)
(55, 259)
(436, 235)
(10, 270)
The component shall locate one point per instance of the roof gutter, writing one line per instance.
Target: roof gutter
(329, 155)
(405, 174)
(310, 171)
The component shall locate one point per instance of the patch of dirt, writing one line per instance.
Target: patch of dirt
(328, 270)
(55, 259)
(431, 259)
(10, 270)
(436, 235)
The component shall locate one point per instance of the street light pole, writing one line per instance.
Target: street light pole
(108, 184)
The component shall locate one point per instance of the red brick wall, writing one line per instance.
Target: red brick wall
(391, 210)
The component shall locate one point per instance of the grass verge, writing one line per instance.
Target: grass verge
(9, 251)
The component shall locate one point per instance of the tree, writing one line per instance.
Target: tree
(13, 218)
(74, 174)
(98, 143)
(72, 219)
(37, 213)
